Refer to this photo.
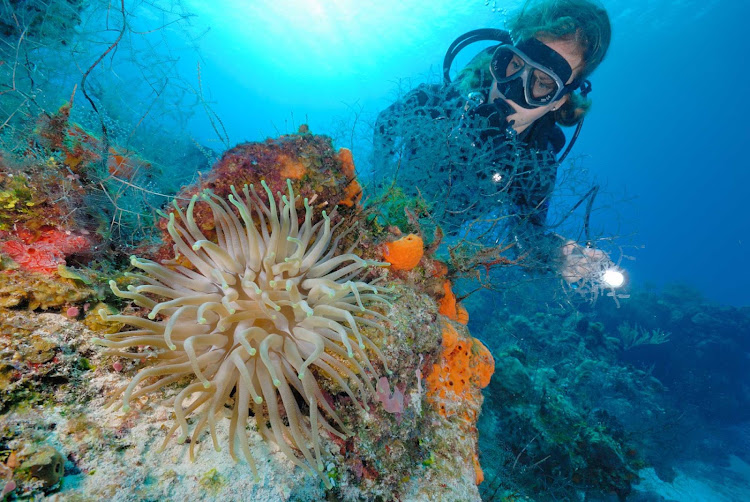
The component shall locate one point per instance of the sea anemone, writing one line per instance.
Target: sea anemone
(266, 311)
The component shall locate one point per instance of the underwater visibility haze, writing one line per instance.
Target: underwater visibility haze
(263, 250)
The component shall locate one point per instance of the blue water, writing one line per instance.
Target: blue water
(667, 136)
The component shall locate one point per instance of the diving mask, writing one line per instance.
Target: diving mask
(531, 74)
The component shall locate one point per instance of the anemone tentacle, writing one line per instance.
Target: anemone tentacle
(266, 310)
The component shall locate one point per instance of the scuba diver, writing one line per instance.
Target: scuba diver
(487, 144)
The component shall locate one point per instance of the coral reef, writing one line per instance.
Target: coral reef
(317, 172)
(268, 324)
(34, 291)
(561, 408)
(50, 253)
(707, 351)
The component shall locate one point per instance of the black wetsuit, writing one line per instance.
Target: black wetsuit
(466, 166)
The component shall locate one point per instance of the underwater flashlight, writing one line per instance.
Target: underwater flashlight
(613, 278)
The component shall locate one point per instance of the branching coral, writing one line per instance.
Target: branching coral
(265, 312)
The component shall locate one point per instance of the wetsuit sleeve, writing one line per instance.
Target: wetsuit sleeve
(397, 129)
(421, 101)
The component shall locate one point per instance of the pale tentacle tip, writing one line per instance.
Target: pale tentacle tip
(172, 346)
(276, 382)
(258, 400)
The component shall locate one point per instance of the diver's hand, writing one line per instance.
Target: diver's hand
(495, 113)
(583, 263)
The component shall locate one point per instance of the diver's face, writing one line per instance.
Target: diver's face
(524, 117)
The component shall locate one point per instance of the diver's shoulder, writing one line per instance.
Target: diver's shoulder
(556, 139)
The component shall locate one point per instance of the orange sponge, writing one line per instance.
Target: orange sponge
(405, 253)
(465, 366)
(352, 194)
(291, 168)
(347, 163)
(447, 304)
(462, 315)
(448, 307)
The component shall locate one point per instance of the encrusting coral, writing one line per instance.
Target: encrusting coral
(44, 250)
(257, 318)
